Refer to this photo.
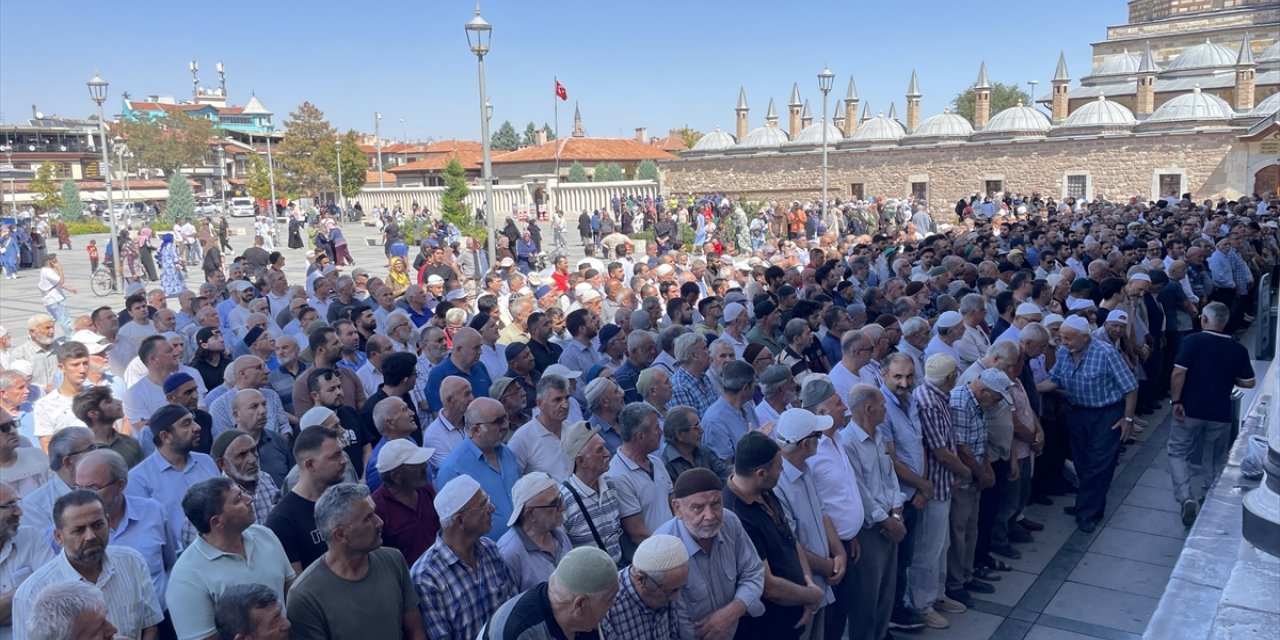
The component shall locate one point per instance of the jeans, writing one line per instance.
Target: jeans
(1095, 448)
(964, 536)
(59, 312)
(1189, 437)
(928, 569)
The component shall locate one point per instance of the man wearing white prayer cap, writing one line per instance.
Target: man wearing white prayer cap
(645, 608)
(572, 604)
(1025, 314)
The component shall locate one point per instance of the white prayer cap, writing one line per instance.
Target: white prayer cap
(1052, 319)
(1028, 309)
(1079, 304)
(1076, 322)
(1140, 277)
(314, 417)
(660, 553)
(454, 496)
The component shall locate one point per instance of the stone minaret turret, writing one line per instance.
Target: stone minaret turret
(806, 118)
(740, 111)
(1245, 69)
(850, 109)
(1061, 84)
(893, 111)
(1145, 100)
(913, 104)
(866, 112)
(981, 98)
(577, 122)
(771, 116)
(794, 106)
(838, 118)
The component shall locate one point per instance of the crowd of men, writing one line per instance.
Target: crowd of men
(835, 434)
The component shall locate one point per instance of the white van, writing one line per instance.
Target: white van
(241, 207)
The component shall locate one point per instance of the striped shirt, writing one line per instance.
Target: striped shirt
(1099, 379)
(132, 604)
(632, 619)
(603, 510)
(934, 409)
(456, 600)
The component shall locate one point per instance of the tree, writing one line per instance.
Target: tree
(551, 134)
(1003, 96)
(302, 156)
(258, 178)
(689, 136)
(505, 138)
(355, 166)
(72, 208)
(453, 205)
(607, 172)
(182, 202)
(530, 135)
(168, 144)
(48, 194)
(577, 173)
(648, 170)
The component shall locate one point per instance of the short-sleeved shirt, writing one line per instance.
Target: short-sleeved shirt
(601, 508)
(730, 570)
(203, 572)
(723, 426)
(132, 605)
(155, 478)
(774, 541)
(537, 449)
(456, 600)
(412, 531)
(529, 563)
(1213, 362)
(324, 605)
(647, 493)
(20, 556)
(1100, 379)
(294, 523)
(468, 460)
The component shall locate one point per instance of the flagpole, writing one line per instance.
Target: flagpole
(555, 99)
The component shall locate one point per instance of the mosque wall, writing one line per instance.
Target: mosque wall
(1207, 164)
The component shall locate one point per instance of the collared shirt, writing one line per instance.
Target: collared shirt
(1100, 379)
(493, 358)
(49, 412)
(544, 355)
(999, 417)
(631, 618)
(223, 420)
(917, 357)
(702, 459)
(690, 391)
(43, 359)
(370, 378)
(275, 456)
(144, 530)
(537, 449)
(529, 563)
(612, 439)
(757, 335)
(132, 605)
(25, 552)
(601, 508)
(775, 541)
(968, 421)
(579, 357)
(457, 600)
(159, 480)
(203, 572)
(876, 480)
(841, 498)
(468, 460)
(803, 510)
(732, 570)
(936, 346)
(934, 408)
(444, 437)
(361, 359)
(902, 427)
(478, 377)
(971, 347)
(723, 426)
(410, 530)
(739, 345)
(641, 491)
(627, 376)
(265, 496)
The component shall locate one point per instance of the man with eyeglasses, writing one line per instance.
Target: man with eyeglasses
(65, 449)
(645, 607)
(23, 549)
(25, 468)
(855, 348)
(485, 458)
(134, 522)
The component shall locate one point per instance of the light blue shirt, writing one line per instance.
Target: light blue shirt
(155, 478)
(144, 530)
(803, 508)
(723, 426)
(203, 572)
(468, 460)
(902, 428)
(732, 570)
(132, 605)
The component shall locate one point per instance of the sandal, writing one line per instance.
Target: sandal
(986, 573)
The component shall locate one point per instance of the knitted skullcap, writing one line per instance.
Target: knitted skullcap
(696, 480)
(223, 441)
(586, 571)
(454, 496)
(660, 553)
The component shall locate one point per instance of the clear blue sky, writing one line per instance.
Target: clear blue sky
(660, 64)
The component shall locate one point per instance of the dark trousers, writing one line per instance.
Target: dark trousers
(1228, 297)
(1095, 447)
(910, 520)
(836, 614)
(1172, 340)
(988, 506)
(1048, 479)
(871, 581)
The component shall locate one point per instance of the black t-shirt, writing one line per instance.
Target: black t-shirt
(776, 544)
(365, 418)
(293, 521)
(204, 441)
(545, 355)
(1213, 362)
(354, 438)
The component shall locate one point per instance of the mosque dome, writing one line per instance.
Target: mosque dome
(878, 130)
(812, 135)
(1271, 53)
(766, 137)
(1120, 64)
(1018, 120)
(1101, 115)
(1190, 107)
(1203, 56)
(715, 141)
(1268, 107)
(943, 125)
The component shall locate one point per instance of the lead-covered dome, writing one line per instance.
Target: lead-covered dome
(812, 135)
(1268, 107)
(1099, 116)
(878, 130)
(766, 137)
(1120, 64)
(1271, 53)
(944, 127)
(1192, 107)
(715, 141)
(1203, 56)
(1016, 121)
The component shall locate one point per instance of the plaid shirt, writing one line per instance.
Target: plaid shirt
(1100, 379)
(690, 391)
(969, 421)
(1240, 272)
(456, 600)
(935, 421)
(631, 618)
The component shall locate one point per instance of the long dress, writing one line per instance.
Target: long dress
(146, 253)
(172, 280)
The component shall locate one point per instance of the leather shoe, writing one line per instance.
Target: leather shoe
(1069, 509)
(1030, 525)
(1088, 526)
(962, 596)
(1020, 535)
(979, 586)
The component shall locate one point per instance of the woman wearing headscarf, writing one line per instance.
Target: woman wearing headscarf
(172, 268)
(146, 253)
(8, 253)
(397, 276)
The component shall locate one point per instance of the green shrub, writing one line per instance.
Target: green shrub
(83, 227)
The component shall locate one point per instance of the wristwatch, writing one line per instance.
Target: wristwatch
(1128, 419)
(896, 516)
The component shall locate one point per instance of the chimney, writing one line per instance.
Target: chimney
(913, 104)
(1061, 84)
(981, 98)
(740, 113)
(1145, 100)
(642, 135)
(794, 106)
(541, 137)
(850, 109)
(1245, 71)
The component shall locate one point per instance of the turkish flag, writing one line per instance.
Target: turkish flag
(560, 91)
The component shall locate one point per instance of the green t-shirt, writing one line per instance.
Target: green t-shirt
(322, 605)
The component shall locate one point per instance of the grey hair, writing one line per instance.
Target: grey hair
(684, 346)
(862, 394)
(1216, 313)
(678, 420)
(257, 315)
(632, 418)
(57, 607)
(548, 383)
(972, 302)
(1006, 350)
(638, 339)
(1034, 331)
(736, 376)
(344, 280)
(9, 379)
(915, 325)
(336, 506)
(794, 329)
(667, 339)
(62, 444)
(720, 344)
(115, 462)
(233, 613)
(290, 339)
(852, 340)
(382, 412)
(229, 374)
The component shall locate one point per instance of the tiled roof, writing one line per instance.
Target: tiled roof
(587, 150)
(671, 143)
(371, 177)
(470, 159)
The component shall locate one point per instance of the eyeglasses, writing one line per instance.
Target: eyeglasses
(6, 427)
(482, 506)
(669, 593)
(558, 504)
(91, 447)
(9, 505)
(96, 487)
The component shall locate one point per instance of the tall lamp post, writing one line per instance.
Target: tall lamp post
(824, 85)
(222, 176)
(1033, 84)
(377, 141)
(7, 150)
(479, 37)
(342, 197)
(98, 91)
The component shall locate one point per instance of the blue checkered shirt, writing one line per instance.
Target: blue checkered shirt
(969, 421)
(632, 619)
(691, 392)
(456, 600)
(1240, 272)
(1100, 379)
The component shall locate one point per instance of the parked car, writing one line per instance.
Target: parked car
(241, 207)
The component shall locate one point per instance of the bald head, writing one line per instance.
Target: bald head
(466, 348)
(249, 410)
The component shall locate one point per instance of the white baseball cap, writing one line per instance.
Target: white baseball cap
(795, 425)
(401, 452)
(558, 369)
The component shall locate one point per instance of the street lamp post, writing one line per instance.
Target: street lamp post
(222, 177)
(342, 197)
(98, 91)
(271, 179)
(1033, 84)
(13, 190)
(122, 151)
(824, 84)
(377, 141)
(479, 37)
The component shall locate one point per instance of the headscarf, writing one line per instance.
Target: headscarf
(166, 240)
(398, 280)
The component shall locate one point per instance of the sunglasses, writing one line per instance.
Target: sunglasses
(6, 427)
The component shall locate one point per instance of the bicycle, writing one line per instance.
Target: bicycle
(102, 282)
